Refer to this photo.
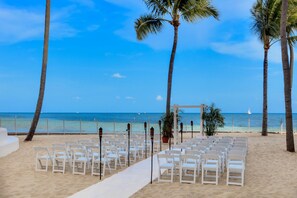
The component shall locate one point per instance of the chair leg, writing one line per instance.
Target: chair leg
(36, 164)
(103, 169)
(227, 177)
(85, 164)
(92, 168)
(195, 175)
(202, 175)
(242, 177)
(46, 165)
(172, 175)
(217, 176)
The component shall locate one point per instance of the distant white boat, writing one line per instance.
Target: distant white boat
(249, 111)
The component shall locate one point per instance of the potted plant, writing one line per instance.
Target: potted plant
(168, 122)
(212, 119)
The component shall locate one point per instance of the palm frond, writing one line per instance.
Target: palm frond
(292, 40)
(159, 7)
(266, 19)
(147, 24)
(194, 9)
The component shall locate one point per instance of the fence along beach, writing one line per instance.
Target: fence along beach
(88, 123)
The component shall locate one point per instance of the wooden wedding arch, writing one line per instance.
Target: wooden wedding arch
(175, 127)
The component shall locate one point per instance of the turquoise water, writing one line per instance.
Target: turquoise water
(117, 122)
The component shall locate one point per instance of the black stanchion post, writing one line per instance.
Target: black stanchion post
(145, 139)
(181, 131)
(128, 130)
(152, 152)
(100, 155)
(192, 127)
(160, 123)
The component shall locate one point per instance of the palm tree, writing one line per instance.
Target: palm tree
(43, 74)
(266, 16)
(287, 77)
(188, 10)
(291, 27)
(212, 119)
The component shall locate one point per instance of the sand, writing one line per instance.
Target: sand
(271, 171)
(18, 177)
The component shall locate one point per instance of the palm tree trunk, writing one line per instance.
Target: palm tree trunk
(170, 72)
(43, 74)
(265, 73)
(291, 63)
(287, 80)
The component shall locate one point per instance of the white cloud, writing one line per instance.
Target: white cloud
(87, 3)
(250, 48)
(118, 75)
(159, 98)
(18, 25)
(191, 36)
(129, 98)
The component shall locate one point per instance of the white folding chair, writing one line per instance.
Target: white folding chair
(166, 165)
(60, 157)
(80, 160)
(235, 169)
(188, 168)
(112, 156)
(176, 154)
(210, 169)
(96, 163)
(42, 156)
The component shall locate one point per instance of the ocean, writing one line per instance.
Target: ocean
(81, 123)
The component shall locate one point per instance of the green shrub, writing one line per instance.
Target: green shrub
(212, 119)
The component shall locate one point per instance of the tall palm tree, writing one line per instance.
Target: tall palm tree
(287, 77)
(43, 74)
(291, 27)
(188, 10)
(266, 22)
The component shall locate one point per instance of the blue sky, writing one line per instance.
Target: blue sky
(96, 64)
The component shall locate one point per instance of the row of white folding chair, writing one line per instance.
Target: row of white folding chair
(58, 158)
(77, 156)
(184, 164)
(187, 164)
(83, 157)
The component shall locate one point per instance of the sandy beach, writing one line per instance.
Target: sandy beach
(270, 172)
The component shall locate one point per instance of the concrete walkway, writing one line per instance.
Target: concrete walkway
(123, 184)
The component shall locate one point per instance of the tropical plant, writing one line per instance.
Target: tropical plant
(287, 77)
(266, 23)
(212, 119)
(188, 10)
(43, 74)
(168, 122)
